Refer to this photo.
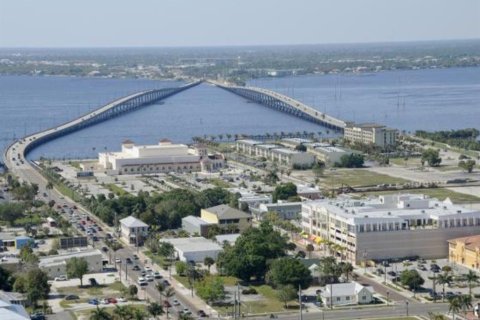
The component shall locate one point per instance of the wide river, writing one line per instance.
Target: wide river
(407, 100)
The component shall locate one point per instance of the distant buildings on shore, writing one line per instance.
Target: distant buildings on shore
(371, 133)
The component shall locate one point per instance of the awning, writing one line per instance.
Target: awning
(318, 240)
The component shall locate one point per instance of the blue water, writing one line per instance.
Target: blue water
(407, 100)
(432, 99)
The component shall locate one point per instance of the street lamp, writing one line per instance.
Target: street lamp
(388, 297)
(406, 305)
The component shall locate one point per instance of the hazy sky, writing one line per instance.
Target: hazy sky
(67, 23)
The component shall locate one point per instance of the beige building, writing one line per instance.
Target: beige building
(229, 219)
(133, 230)
(371, 133)
(387, 227)
(465, 251)
(162, 158)
(56, 265)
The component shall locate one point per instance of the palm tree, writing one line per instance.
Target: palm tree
(435, 316)
(100, 314)
(347, 269)
(208, 261)
(155, 309)
(454, 306)
(465, 302)
(49, 187)
(138, 314)
(122, 312)
(444, 279)
(166, 292)
(471, 277)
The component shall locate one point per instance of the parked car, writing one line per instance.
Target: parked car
(93, 301)
(122, 299)
(149, 277)
(112, 300)
(37, 316)
(166, 283)
(93, 282)
(118, 260)
(201, 314)
(61, 278)
(392, 273)
(176, 302)
(142, 281)
(135, 257)
(128, 260)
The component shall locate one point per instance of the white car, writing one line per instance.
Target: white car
(142, 281)
(61, 278)
(121, 299)
(148, 269)
(118, 260)
(175, 302)
(149, 277)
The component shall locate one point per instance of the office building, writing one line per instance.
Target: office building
(371, 133)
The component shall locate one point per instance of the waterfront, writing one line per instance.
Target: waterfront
(408, 100)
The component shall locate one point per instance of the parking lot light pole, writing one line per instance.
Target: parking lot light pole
(406, 304)
(388, 297)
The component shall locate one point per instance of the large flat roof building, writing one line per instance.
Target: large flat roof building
(194, 249)
(56, 265)
(162, 157)
(390, 226)
(371, 133)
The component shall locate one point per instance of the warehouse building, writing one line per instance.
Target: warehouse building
(56, 265)
(194, 249)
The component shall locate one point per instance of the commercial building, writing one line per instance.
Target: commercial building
(387, 227)
(306, 192)
(329, 154)
(133, 230)
(56, 265)
(254, 201)
(465, 251)
(371, 133)
(284, 210)
(230, 220)
(194, 249)
(293, 142)
(196, 226)
(339, 294)
(275, 152)
(164, 157)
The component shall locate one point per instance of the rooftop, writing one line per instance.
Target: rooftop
(345, 289)
(268, 146)
(330, 149)
(471, 242)
(193, 244)
(296, 140)
(286, 151)
(61, 258)
(132, 222)
(195, 221)
(249, 141)
(225, 212)
(230, 238)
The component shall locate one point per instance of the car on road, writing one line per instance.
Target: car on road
(422, 267)
(61, 278)
(201, 314)
(118, 260)
(186, 311)
(104, 249)
(135, 257)
(157, 275)
(136, 268)
(166, 283)
(176, 302)
(93, 301)
(142, 281)
(72, 297)
(392, 273)
(112, 300)
(128, 260)
(38, 316)
(149, 277)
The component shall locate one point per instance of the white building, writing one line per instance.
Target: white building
(293, 142)
(284, 210)
(390, 226)
(194, 249)
(306, 192)
(339, 294)
(275, 152)
(133, 230)
(329, 154)
(56, 265)
(12, 311)
(254, 201)
(164, 157)
(371, 133)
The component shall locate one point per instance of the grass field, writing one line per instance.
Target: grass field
(116, 189)
(439, 193)
(357, 177)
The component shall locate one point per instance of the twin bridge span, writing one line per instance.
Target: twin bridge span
(137, 100)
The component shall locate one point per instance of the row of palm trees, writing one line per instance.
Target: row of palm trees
(266, 136)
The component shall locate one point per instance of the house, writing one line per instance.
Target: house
(23, 241)
(313, 265)
(133, 230)
(194, 249)
(12, 311)
(284, 210)
(230, 220)
(56, 265)
(465, 251)
(196, 226)
(339, 294)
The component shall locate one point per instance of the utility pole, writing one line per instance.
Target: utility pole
(300, 301)
(234, 305)
(239, 301)
(126, 271)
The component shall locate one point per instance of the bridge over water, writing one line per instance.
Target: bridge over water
(113, 109)
(284, 103)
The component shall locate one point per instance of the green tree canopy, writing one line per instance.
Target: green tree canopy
(284, 191)
(432, 157)
(211, 289)
(286, 293)
(288, 271)
(412, 279)
(77, 268)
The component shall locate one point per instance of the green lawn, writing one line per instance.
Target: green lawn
(439, 193)
(220, 183)
(116, 287)
(357, 177)
(116, 189)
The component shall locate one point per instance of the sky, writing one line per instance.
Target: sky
(147, 23)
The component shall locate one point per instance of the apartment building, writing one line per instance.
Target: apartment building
(389, 226)
(371, 133)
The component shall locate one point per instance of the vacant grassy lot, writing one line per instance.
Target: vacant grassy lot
(439, 193)
(357, 178)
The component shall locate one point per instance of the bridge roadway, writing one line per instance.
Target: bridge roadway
(284, 103)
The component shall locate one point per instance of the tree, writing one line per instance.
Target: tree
(346, 268)
(27, 255)
(454, 306)
(412, 279)
(34, 284)
(309, 248)
(6, 280)
(471, 277)
(444, 279)
(132, 290)
(284, 191)
(208, 261)
(288, 271)
(465, 302)
(100, 314)
(211, 289)
(122, 312)
(155, 309)
(301, 148)
(352, 160)
(181, 267)
(318, 169)
(248, 257)
(435, 316)
(432, 157)
(77, 268)
(286, 294)
(166, 249)
(467, 165)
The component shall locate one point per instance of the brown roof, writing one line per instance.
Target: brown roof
(471, 243)
(225, 212)
(128, 142)
(165, 140)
